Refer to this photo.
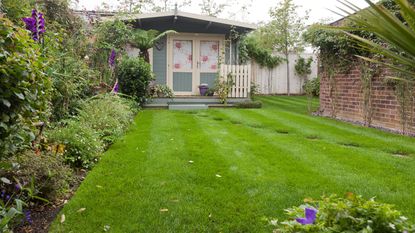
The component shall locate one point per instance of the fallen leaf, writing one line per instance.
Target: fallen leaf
(219, 176)
(99, 186)
(164, 210)
(5, 180)
(81, 210)
(63, 218)
(210, 215)
(191, 161)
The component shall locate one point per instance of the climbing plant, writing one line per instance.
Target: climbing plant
(250, 48)
(367, 71)
(303, 69)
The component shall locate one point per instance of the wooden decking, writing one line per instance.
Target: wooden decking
(191, 102)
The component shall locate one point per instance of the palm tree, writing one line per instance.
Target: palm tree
(397, 35)
(145, 40)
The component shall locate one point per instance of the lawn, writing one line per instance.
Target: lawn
(225, 170)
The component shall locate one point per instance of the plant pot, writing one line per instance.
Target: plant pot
(203, 89)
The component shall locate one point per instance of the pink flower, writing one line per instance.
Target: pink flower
(205, 58)
(177, 66)
(213, 67)
(190, 57)
(178, 45)
(215, 47)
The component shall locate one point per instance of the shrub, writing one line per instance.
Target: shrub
(223, 87)
(351, 214)
(134, 75)
(108, 115)
(249, 104)
(312, 87)
(72, 82)
(25, 89)
(159, 90)
(82, 144)
(51, 178)
(101, 120)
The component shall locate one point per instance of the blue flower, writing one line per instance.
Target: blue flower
(310, 217)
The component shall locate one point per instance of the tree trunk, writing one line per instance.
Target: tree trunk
(288, 73)
(145, 55)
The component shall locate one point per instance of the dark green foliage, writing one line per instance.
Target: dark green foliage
(73, 81)
(25, 90)
(112, 34)
(351, 214)
(51, 178)
(134, 75)
(15, 10)
(249, 104)
(250, 48)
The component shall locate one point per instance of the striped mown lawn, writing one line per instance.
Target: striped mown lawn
(225, 170)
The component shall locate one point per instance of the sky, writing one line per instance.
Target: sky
(258, 12)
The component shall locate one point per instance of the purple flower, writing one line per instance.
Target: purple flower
(310, 217)
(35, 24)
(116, 87)
(17, 187)
(111, 59)
(28, 216)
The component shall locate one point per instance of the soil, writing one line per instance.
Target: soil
(43, 215)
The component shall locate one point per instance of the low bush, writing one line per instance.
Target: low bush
(249, 104)
(82, 144)
(350, 214)
(160, 91)
(134, 75)
(108, 115)
(101, 120)
(47, 174)
(312, 87)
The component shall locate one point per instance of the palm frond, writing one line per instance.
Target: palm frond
(397, 47)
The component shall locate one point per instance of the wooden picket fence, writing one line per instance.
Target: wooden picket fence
(241, 75)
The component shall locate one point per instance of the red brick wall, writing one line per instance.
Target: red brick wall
(349, 103)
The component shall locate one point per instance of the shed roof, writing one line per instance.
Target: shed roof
(187, 22)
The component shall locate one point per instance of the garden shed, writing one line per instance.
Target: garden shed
(193, 55)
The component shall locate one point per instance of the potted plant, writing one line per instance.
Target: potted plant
(203, 88)
(210, 92)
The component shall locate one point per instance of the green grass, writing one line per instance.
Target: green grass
(268, 159)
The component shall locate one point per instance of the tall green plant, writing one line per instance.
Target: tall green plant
(303, 69)
(25, 89)
(285, 31)
(145, 40)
